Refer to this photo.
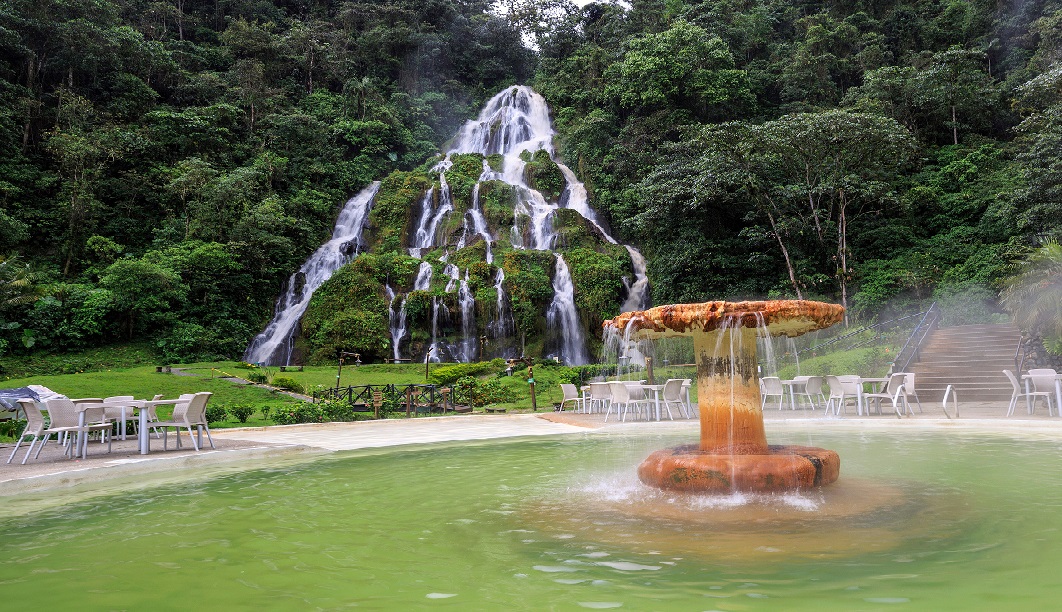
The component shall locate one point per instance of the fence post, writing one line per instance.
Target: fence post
(409, 399)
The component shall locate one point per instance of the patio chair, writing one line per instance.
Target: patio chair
(771, 386)
(672, 395)
(1043, 380)
(842, 389)
(64, 417)
(571, 394)
(1018, 392)
(621, 396)
(34, 427)
(894, 392)
(909, 391)
(185, 416)
(600, 397)
(811, 389)
(686, 384)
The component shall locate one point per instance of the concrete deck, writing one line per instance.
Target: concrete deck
(248, 448)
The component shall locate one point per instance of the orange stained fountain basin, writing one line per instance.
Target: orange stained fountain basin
(733, 454)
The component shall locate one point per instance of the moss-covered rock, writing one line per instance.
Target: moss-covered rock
(496, 161)
(497, 199)
(574, 231)
(528, 279)
(393, 210)
(347, 313)
(598, 280)
(464, 172)
(542, 174)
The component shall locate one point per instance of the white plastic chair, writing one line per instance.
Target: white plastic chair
(621, 396)
(672, 395)
(1018, 392)
(811, 389)
(34, 427)
(571, 394)
(686, 384)
(771, 386)
(64, 418)
(894, 392)
(842, 389)
(185, 416)
(1043, 380)
(909, 391)
(600, 397)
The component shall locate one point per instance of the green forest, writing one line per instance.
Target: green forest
(166, 165)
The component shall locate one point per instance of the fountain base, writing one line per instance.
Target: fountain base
(782, 468)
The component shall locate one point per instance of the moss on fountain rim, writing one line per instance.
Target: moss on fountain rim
(781, 317)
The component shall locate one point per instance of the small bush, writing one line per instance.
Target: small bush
(216, 414)
(338, 411)
(288, 383)
(241, 411)
(256, 377)
(450, 374)
(265, 412)
(298, 413)
(12, 428)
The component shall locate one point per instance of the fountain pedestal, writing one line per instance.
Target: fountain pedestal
(733, 454)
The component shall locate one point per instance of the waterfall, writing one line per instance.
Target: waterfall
(430, 217)
(468, 321)
(638, 291)
(503, 325)
(512, 122)
(423, 281)
(396, 321)
(562, 317)
(273, 345)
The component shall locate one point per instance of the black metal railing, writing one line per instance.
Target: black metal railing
(878, 328)
(910, 351)
(412, 399)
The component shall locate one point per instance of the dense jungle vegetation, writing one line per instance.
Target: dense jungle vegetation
(165, 165)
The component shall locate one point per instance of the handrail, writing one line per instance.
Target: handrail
(1020, 355)
(914, 341)
(863, 329)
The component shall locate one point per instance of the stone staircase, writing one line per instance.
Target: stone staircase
(971, 358)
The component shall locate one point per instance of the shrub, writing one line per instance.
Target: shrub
(216, 414)
(290, 384)
(450, 374)
(12, 428)
(298, 413)
(257, 377)
(335, 410)
(265, 412)
(241, 411)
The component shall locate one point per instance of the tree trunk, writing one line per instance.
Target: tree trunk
(842, 254)
(785, 254)
(954, 126)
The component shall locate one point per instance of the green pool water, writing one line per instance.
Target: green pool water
(540, 525)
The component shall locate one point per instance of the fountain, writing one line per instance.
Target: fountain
(733, 454)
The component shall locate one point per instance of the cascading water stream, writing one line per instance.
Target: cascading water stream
(396, 321)
(273, 345)
(423, 281)
(503, 324)
(468, 320)
(563, 319)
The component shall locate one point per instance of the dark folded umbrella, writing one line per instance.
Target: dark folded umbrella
(9, 397)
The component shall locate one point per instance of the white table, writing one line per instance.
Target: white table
(656, 389)
(143, 438)
(792, 385)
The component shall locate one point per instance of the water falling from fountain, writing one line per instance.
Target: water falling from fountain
(273, 345)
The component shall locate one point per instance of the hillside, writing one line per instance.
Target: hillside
(166, 168)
